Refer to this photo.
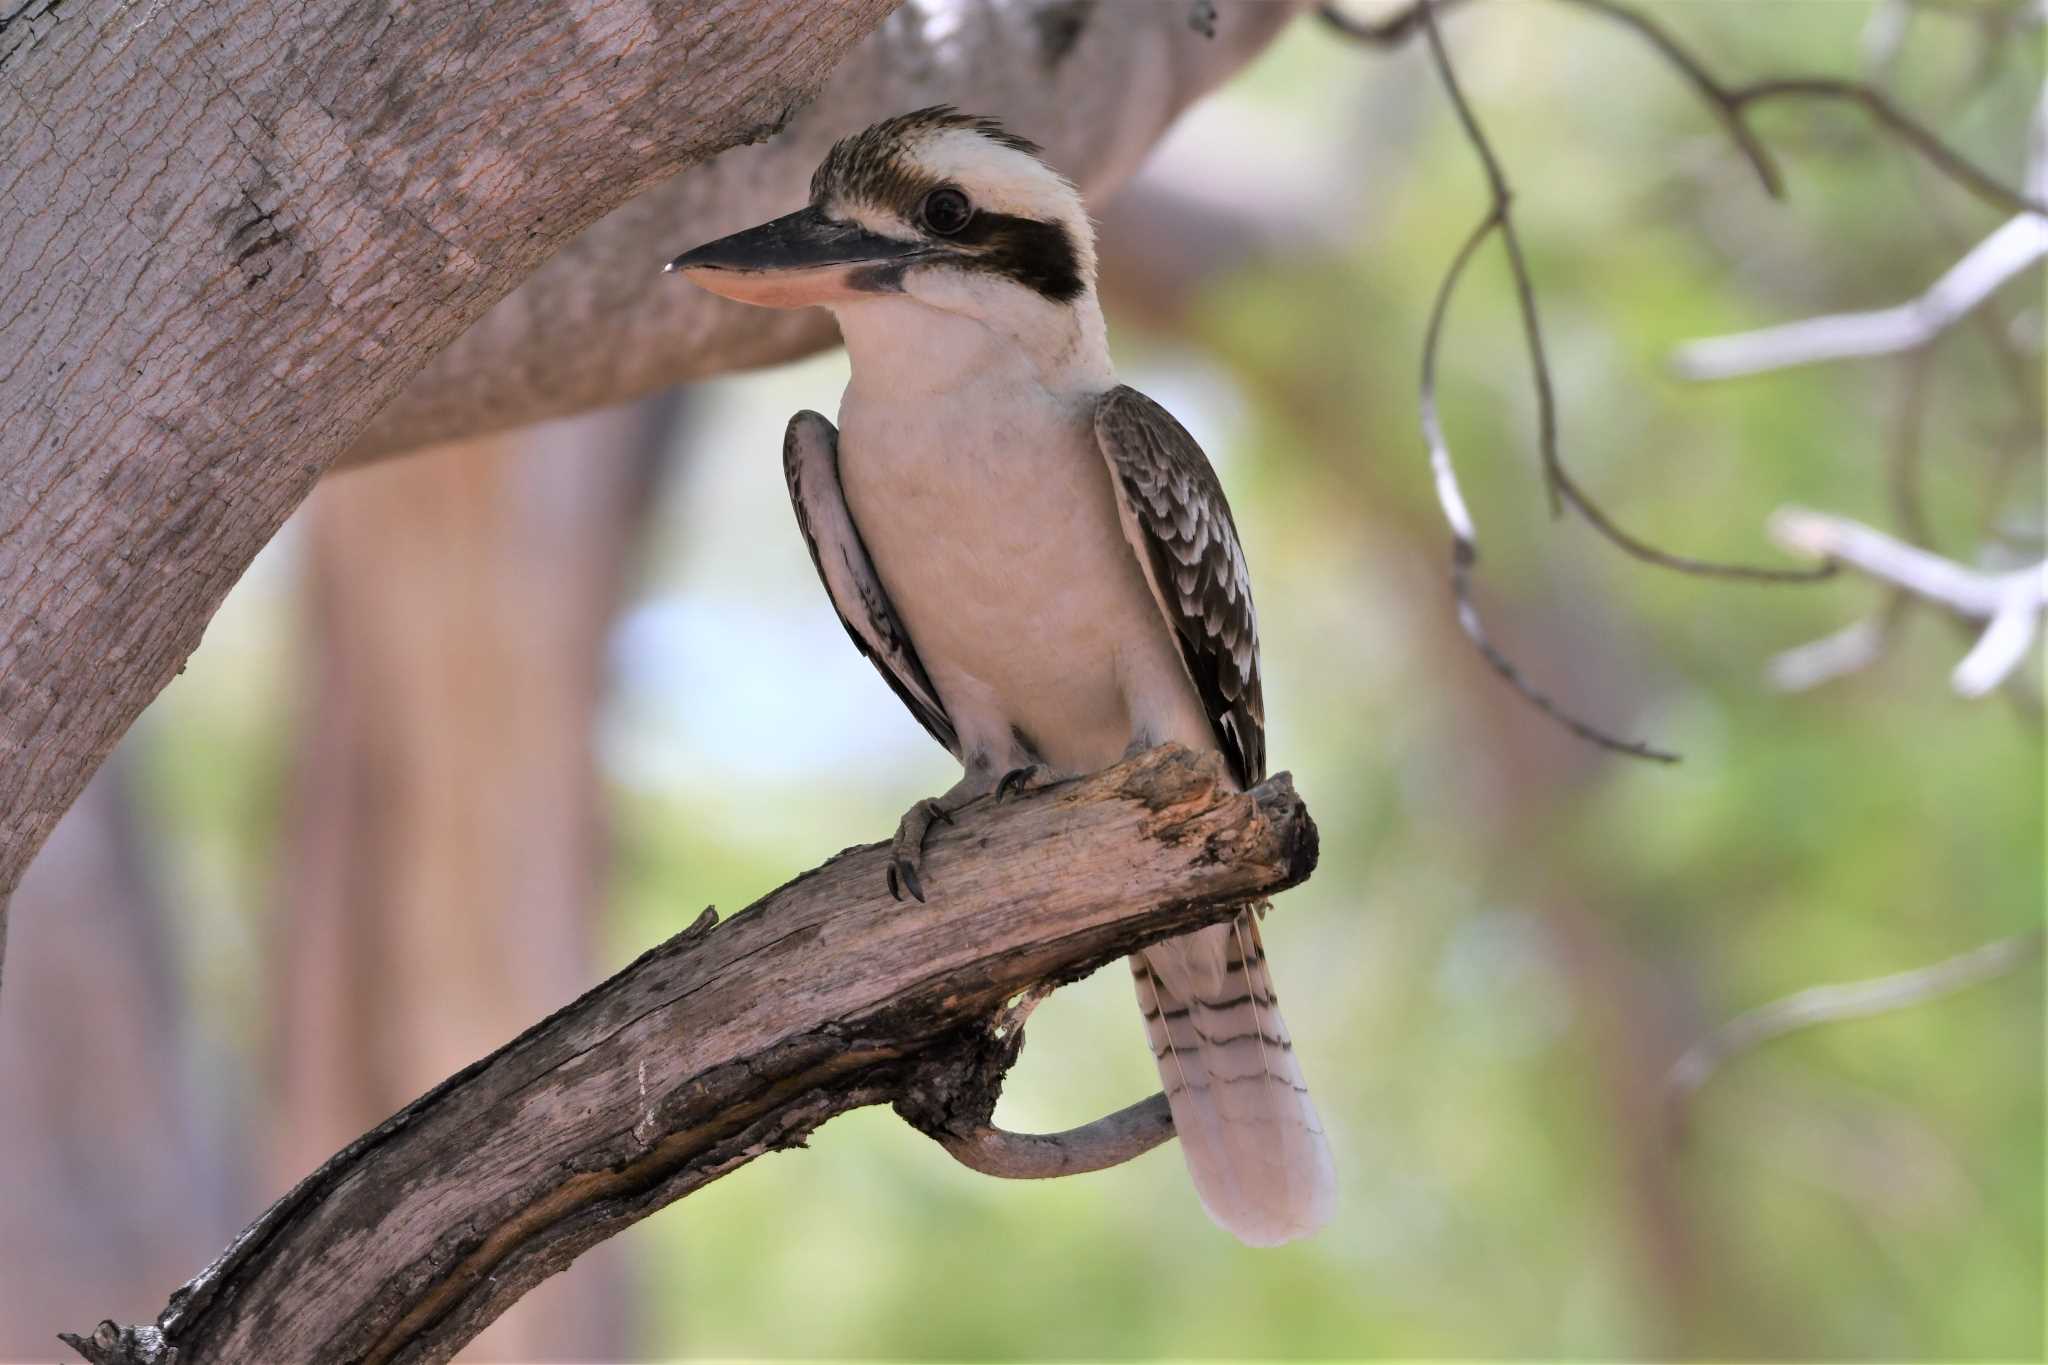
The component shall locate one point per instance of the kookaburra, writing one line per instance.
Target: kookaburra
(1039, 561)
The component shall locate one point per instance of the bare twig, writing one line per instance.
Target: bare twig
(1914, 134)
(2019, 243)
(1857, 646)
(1851, 649)
(1390, 31)
(1563, 488)
(729, 1041)
(1846, 1000)
(1723, 100)
(1465, 539)
(2010, 603)
(1109, 1141)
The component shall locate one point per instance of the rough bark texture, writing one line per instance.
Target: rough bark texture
(726, 1042)
(233, 231)
(444, 859)
(1095, 83)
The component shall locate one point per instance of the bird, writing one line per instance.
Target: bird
(1040, 562)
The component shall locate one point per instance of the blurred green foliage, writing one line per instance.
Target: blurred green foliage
(1511, 936)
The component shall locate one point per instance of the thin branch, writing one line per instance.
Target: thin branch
(2011, 603)
(1857, 646)
(1390, 31)
(729, 1041)
(1730, 103)
(1943, 157)
(1109, 1141)
(1465, 539)
(1847, 1000)
(2016, 245)
(1563, 488)
(1723, 100)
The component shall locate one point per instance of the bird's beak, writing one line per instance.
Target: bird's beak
(797, 260)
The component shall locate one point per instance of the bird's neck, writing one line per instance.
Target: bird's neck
(908, 346)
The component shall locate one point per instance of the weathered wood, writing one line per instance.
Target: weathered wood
(728, 1041)
(232, 231)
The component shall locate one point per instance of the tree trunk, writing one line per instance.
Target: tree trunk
(234, 229)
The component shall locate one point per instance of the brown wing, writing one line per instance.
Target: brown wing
(810, 464)
(1180, 524)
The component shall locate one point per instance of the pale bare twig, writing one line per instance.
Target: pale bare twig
(2013, 622)
(1862, 643)
(1844, 1000)
(2016, 245)
(2010, 603)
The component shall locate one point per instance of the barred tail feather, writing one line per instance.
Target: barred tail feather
(1248, 1130)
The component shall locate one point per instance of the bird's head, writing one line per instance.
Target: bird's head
(939, 206)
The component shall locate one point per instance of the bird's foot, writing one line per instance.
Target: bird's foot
(906, 852)
(1029, 778)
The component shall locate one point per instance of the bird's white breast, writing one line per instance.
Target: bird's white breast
(987, 508)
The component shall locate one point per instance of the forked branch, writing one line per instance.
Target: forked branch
(2013, 248)
(731, 1040)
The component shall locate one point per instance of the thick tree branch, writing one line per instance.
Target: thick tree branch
(217, 278)
(233, 231)
(595, 325)
(728, 1041)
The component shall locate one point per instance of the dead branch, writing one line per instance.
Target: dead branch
(1910, 326)
(1564, 489)
(2018, 244)
(729, 1041)
(1843, 1000)
(1900, 125)
(2010, 603)
(1421, 16)
(1465, 538)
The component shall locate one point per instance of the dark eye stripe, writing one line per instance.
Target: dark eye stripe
(1037, 255)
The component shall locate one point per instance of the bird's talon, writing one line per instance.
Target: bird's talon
(1018, 781)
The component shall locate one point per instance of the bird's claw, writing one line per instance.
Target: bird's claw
(1018, 781)
(906, 854)
(903, 877)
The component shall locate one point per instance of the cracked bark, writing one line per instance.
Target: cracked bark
(728, 1041)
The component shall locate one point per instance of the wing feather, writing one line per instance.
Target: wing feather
(810, 464)
(1180, 524)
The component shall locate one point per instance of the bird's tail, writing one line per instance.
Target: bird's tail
(1247, 1127)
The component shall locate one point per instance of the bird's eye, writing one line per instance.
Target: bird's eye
(945, 211)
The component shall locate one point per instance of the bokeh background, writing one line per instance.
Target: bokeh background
(484, 723)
